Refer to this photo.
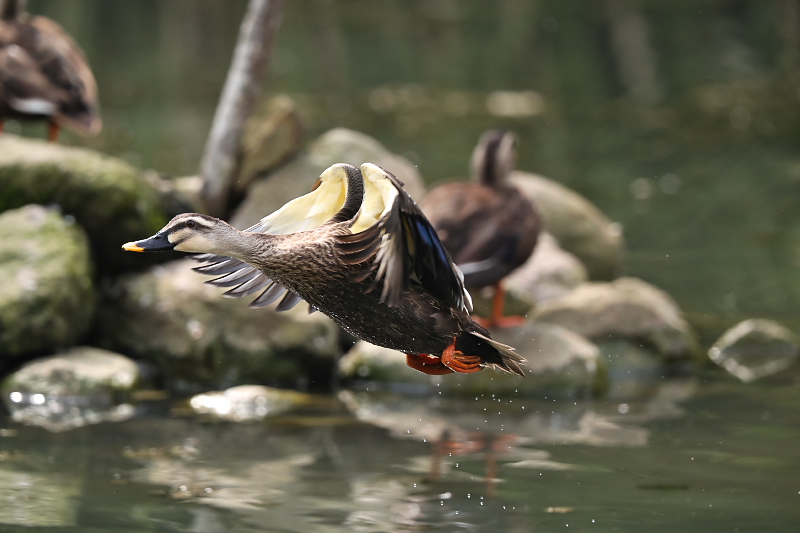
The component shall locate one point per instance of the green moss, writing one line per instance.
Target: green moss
(112, 200)
(47, 297)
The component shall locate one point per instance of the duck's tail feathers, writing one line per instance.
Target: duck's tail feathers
(510, 360)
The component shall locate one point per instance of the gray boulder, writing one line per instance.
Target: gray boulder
(298, 176)
(577, 224)
(82, 386)
(198, 338)
(755, 348)
(627, 308)
(560, 363)
(111, 199)
(46, 297)
(550, 272)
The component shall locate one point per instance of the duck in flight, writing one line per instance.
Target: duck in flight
(358, 249)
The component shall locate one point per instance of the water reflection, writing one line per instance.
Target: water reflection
(689, 458)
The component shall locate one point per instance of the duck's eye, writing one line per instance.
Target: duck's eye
(191, 224)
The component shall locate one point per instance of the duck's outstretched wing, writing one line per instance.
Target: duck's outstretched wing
(336, 197)
(391, 229)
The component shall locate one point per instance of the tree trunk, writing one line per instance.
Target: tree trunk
(242, 87)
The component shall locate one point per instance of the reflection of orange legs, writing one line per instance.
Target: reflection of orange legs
(52, 132)
(497, 320)
(456, 360)
(427, 364)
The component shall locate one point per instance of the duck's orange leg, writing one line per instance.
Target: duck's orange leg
(457, 361)
(497, 320)
(427, 364)
(52, 132)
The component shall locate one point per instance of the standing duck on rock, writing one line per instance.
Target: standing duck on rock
(44, 74)
(489, 227)
(358, 249)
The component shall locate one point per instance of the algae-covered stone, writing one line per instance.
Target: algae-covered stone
(576, 223)
(560, 363)
(298, 176)
(272, 135)
(111, 199)
(46, 296)
(755, 348)
(82, 386)
(626, 308)
(196, 337)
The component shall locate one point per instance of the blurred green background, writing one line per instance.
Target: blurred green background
(678, 119)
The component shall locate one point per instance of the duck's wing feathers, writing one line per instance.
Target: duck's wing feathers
(391, 229)
(335, 197)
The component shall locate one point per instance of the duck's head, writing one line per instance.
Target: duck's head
(188, 232)
(494, 157)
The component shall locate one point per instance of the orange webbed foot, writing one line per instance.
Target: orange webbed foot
(458, 362)
(427, 364)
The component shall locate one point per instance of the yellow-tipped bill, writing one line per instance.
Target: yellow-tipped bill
(132, 247)
(157, 243)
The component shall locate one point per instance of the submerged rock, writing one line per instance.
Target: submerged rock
(298, 176)
(46, 296)
(560, 363)
(111, 199)
(627, 308)
(82, 386)
(247, 403)
(198, 338)
(755, 348)
(577, 224)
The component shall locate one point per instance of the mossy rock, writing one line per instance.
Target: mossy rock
(198, 339)
(114, 201)
(47, 296)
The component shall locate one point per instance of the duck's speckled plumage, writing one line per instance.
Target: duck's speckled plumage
(390, 283)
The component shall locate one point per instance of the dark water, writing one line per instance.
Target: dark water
(689, 138)
(704, 455)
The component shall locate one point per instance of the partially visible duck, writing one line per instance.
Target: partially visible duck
(358, 249)
(44, 74)
(488, 226)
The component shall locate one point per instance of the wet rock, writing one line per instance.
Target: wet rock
(81, 386)
(560, 363)
(298, 176)
(755, 348)
(247, 403)
(272, 135)
(627, 308)
(549, 273)
(197, 338)
(112, 200)
(577, 224)
(46, 294)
